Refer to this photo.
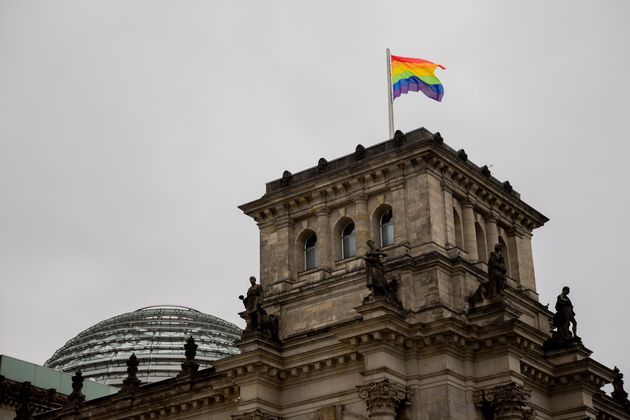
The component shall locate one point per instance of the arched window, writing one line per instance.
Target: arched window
(482, 254)
(459, 233)
(386, 227)
(310, 252)
(506, 255)
(348, 242)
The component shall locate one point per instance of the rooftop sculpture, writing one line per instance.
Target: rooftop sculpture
(258, 321)
(379, 287)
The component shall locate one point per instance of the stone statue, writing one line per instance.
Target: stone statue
(253, 304)
(495, 285)
(496, 273)
(376, 282)
(565, 316)
(619, 394)
(562, 320)
(256, 318)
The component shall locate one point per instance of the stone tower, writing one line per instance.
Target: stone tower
(428, 353)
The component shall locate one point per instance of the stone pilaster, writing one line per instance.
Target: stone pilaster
(492, 233)
(283, 248)
(361, 223)
(325, 249)
(470, 235)
(435, 196)
(521, 259)
(449, 225)
(384, 399)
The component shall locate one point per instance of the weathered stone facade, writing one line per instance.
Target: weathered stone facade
(431, 356)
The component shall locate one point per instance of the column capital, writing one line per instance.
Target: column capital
(396, 183)
(283, 221)
(361, 197)
(322, 211)
(518, 231)
(257, 414)
(509, 401)
(384, 397)
(447, 185)
(468, 202)
(491, 218)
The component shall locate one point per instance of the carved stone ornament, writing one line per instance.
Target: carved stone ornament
(385, 397)
(286, 178)
(131, 382)
(509, 401)
(76, 398)
(189, 367)
(359, 152)
(399, 138)
(257, 414)
(322, 164)
(437, 138)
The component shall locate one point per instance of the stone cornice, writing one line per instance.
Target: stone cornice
(419, 153)
(294, 371)
(154, 402)
(581, 373)
(39, 400)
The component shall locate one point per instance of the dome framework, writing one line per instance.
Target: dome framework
(156, 334)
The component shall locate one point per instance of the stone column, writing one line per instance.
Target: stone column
(492, 233)
(384, 399)
(361, 223)
(449, 225)
(470, 235)
(324, 243)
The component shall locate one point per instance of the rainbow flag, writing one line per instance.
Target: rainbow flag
(415, 75)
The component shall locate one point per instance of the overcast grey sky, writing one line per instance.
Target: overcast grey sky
(131, 130)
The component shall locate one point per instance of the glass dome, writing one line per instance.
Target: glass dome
(156, 334)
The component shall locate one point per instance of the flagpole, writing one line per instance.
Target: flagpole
(390, 101)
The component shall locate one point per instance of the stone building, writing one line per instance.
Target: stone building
(412, 326)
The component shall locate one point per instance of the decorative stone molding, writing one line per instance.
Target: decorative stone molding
(384, 397)
(257, 414)
(328, 364)
(509, 401)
